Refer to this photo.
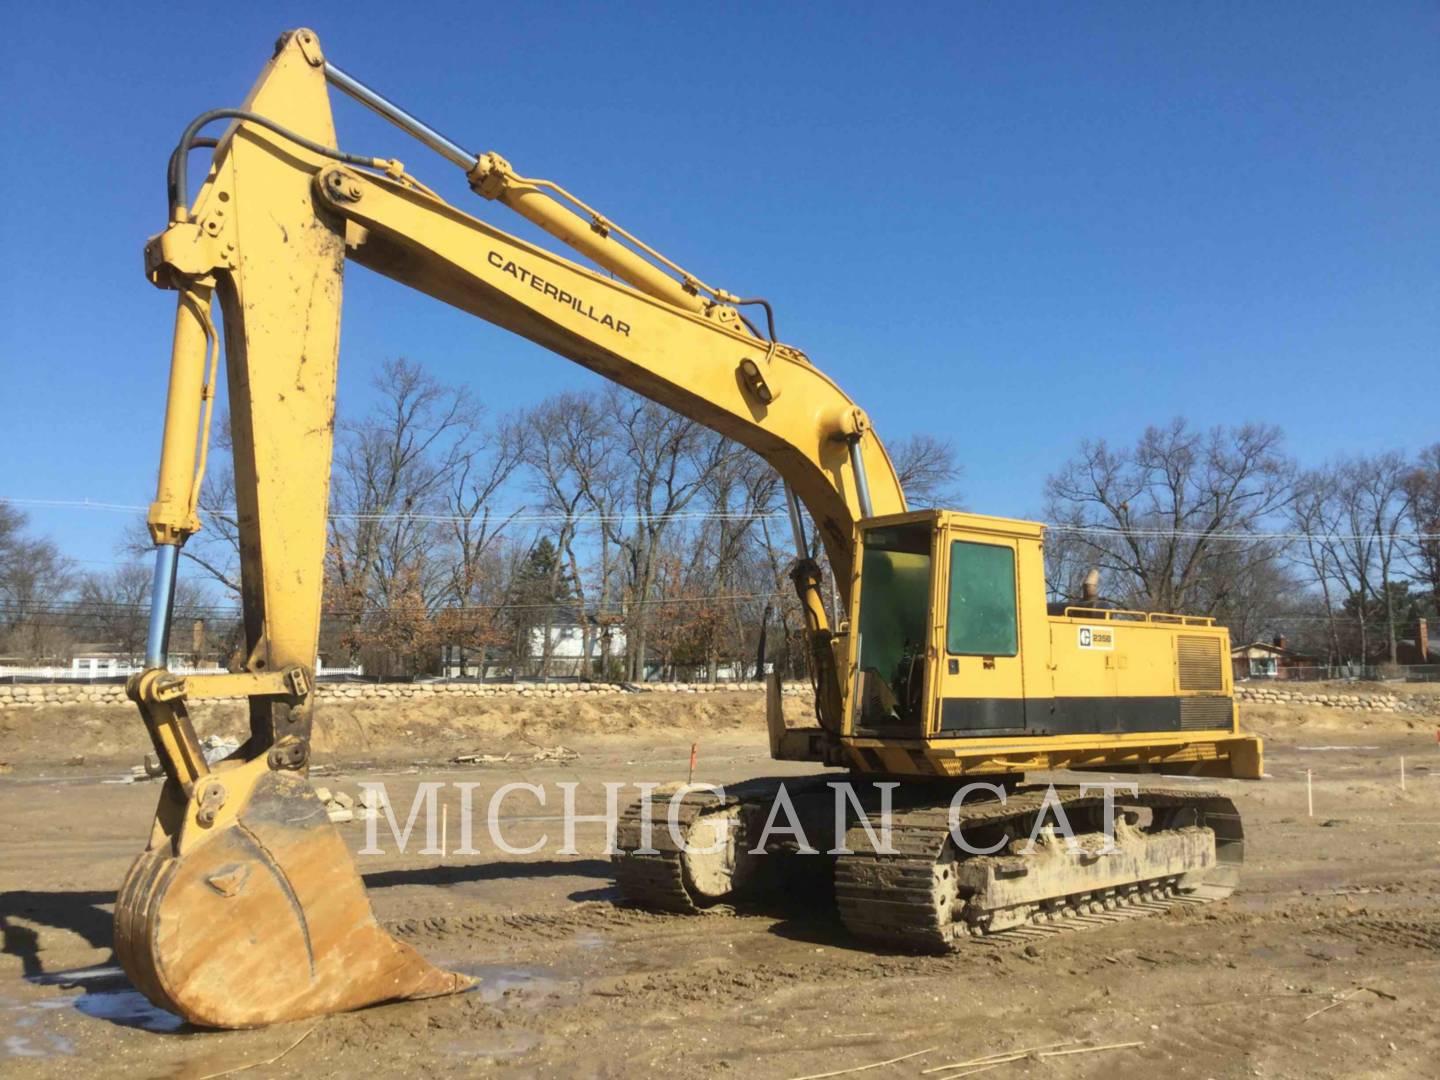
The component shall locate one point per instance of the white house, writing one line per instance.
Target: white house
(567, 651)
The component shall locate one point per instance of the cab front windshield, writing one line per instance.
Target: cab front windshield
(894, 602)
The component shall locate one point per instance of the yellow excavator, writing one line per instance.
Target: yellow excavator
(942, 667)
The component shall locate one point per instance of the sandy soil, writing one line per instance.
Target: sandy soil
(574, 985)
(360, 732)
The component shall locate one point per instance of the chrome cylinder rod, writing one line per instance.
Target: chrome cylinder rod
(862, 485)
(162, 603)
(797, 523)
(447, 149)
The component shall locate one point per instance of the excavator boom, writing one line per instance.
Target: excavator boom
(245, 909)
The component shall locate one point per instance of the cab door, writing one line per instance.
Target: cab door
(894, 646)
(981, 684)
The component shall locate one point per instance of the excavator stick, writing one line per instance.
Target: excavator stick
(245, 908)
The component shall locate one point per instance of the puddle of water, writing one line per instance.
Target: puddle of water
(498, 981)
(496, 1046)
(102, 973)
(106, 995)
(24, 1046)
(35, 1042)
(128, 1008)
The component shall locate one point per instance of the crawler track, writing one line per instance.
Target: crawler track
(906, 898)
(657, 881)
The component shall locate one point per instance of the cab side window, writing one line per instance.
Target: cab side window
(981, 617)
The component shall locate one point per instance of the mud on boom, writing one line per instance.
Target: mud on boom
(944, 664)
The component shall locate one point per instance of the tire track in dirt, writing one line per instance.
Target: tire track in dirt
(533, 925)
(1422, 932)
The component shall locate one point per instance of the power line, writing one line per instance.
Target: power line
(1200, 534)
(506, 516)
(122, 608)
(74, 504)
(521, 515)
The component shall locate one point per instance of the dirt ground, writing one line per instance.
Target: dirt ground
(1340, 909)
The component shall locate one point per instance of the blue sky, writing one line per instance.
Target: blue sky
(1014, 225)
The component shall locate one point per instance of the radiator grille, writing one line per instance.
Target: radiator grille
(1199, 663)
(1204, 713)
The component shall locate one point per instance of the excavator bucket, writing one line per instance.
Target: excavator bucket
(246, 909)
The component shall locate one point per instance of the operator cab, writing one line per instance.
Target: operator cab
(954, 641)
(938, 624)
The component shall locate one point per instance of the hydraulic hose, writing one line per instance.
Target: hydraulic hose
(769, 312)
(177, 175)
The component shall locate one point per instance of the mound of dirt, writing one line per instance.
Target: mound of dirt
(401, 729)
(1280, 721)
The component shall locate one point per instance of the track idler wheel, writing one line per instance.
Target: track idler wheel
(246, 910)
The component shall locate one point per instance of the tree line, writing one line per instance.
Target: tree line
(1343, 558)
(663, 550)
(651, 538)
(454, 534)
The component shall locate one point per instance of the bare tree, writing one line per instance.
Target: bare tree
(1248, 586)
(928, 470)
(1314, 514)
(34, 579)
(572, 451)
(1422, 550)
(477, 573)
(738, 491)
(114, 605)
(1068, 556)
(1349, 515)
(667, 456)
(394, 468)
(115, 609)
(1375, 501)
(1156, 517)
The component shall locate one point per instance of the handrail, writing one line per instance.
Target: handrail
(1152, 617)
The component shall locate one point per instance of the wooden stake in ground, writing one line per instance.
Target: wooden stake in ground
(1309, 793)
(1402, 772)
(694, 750)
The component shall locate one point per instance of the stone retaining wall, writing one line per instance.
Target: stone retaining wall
(1364, 700)
(33, 695)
